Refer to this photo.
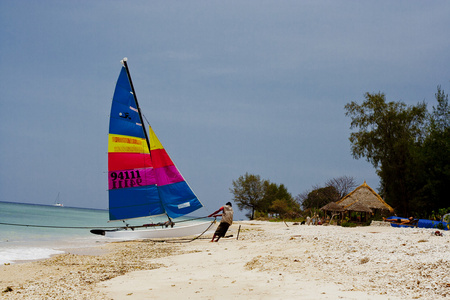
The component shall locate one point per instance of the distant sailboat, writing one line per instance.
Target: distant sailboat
(57, 203)
(143, 180)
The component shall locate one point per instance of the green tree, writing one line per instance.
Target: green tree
(257, 195)
(272, 193)
(387, 135)
(440, 117)
(278, 200)
(335, 189)
(320, 197)
(248, 191)
(279, 206)
(434, 157)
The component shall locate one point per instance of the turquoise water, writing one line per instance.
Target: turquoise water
(31, 243)
(44, 215)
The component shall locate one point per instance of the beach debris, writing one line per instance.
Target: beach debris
(8, 289)
(364, 260)
(79, 274)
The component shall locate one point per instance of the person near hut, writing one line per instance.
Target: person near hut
(315, 219)
(225, 223)
(409, 221)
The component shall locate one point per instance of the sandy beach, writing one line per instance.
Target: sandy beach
(268, 261)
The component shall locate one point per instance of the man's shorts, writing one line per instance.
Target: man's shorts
(222, 229)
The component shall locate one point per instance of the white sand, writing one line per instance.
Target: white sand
(269, 261)
(272, 261)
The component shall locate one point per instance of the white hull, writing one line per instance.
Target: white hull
(158, 232)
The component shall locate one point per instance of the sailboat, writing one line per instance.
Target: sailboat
(57, 203)
(143, 181)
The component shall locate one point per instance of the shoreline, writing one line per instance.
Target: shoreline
(17, 252)
(268, 261)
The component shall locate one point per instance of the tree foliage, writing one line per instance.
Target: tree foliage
(440, 117)
(343, 185)
(248, 191)
(279, 201)
(408, 147)
(334, 190)
(320, 197)
(433, 156)
(257, 195)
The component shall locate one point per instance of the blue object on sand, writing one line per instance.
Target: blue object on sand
(421, 223)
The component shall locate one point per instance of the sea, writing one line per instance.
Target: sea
(32, 232)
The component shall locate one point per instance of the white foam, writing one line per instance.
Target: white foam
(10, 255)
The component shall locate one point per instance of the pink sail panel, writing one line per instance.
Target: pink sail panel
(166, 172)
(167, 175)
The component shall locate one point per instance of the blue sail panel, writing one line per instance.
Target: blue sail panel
(124, 121)
(123, 92)
(124, 118)
(134, 203)
(178, 199)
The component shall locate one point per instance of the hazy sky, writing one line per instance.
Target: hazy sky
(229, 87)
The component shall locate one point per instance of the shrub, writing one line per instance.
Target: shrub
(348, 224)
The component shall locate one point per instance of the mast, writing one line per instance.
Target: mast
(124, 62)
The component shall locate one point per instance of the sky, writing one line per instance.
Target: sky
(230, 87)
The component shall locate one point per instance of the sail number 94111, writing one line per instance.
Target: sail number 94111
(125, 179)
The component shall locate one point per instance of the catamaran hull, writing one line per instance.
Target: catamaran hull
(158, 233)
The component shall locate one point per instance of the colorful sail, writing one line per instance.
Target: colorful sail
(141, 182)
(177, 197)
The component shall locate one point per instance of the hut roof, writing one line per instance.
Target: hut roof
(358, 206)
(367, 196)
(332, 206)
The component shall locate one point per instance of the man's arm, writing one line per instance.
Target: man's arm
(214, 213)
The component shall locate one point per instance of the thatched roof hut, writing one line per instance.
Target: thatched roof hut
(358, 207)
(364, 194)
(332, 206)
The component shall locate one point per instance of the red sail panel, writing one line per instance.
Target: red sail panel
(160, 158)
(128, 161)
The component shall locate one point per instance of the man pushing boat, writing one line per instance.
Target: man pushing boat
(225, 223)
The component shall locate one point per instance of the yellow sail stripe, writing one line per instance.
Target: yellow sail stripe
(154, 141)
(128, 144)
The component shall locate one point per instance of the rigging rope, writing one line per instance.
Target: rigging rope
(84, 227)
(185, 240)
(49, 226)
(80, 227)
